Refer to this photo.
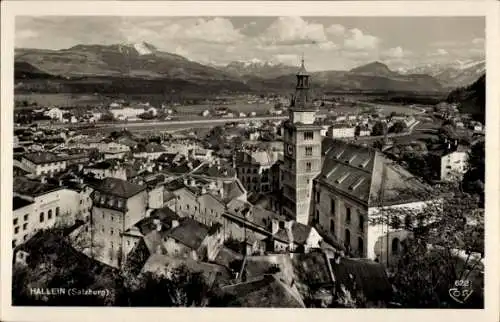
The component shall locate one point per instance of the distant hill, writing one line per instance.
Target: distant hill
(141, 68)
(258, 69)
(471, 99)
(452, 74)
(371, 77)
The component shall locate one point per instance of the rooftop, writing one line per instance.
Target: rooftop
(32, 188)
(18, 203)
(119, 188)
(365, 174)
(189, 232)
(42, 157)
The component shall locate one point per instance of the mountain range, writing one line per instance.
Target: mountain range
(142, 68)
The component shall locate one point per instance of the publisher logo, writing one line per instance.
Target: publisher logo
(461, 292)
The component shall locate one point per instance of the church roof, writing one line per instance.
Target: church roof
(366, 175)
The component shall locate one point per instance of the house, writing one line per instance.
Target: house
(117, 206)
(111, 168)
(452, 161)
(253, 168)
(127, 113)
(38, 206)
(354, 184)
(341, 130)
(55, 114)
(203, 154)
(150, 151)
(113, 150)
(39, 163)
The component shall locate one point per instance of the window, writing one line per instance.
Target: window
(25, 226)
(395, 246)
(15, 222)
(332, 206)
(361, 246)
(309, 150)
(26, 217)
(347, 215)
(408, 222)
(347, 239)
(308, 166)
(16, 230)
(14, 243)
(332, 226)
(42, 215)
(25, 237)
(309, 135)
(317, 196)
(49, 215)
(111, 232)
(361, 223)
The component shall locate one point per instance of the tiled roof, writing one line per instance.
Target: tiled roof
(189, 232)
(300, 233)
(18, 202)
(149, 148)
(103, 165)
(267, 291)
(365, 174)
(119, 188)
(367, 276)
(42, 157)
(232, 190)
(32, 188)
(222, 171)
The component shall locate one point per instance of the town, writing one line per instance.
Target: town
(315, 199)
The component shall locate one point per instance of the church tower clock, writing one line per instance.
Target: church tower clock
(302, 155)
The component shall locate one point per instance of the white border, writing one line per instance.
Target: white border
(489, 9)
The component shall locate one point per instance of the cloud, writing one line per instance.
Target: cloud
(293, 30)
(336, 30)
(26, 34)
(440, 52)
(396, 52)
(358, 40)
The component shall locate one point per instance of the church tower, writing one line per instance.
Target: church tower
(302, 155)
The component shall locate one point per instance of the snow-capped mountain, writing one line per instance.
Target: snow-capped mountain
(456, 73)
(259, 68)
(141, 48)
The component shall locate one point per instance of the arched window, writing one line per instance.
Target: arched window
(361, 246)
(49, 214)
(395, 245)
(347, 239)
(57, 211)
(42, 217)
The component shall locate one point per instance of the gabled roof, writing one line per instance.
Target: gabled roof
(32, 188)
(119, 188)
(366, 175)
(189, 232)
(42, 157)
(18, 203)
(363, 275)
(265, 292)
(300, 233)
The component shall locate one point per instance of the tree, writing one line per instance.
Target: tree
(473, 180)
(379, 128)
(181, 288)
(398, 127)
(447, 132)
(445, 244)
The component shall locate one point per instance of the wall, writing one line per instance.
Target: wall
(136, 206)
(211, 210)
(26, 221)
(339, 217)
(174, 248)
(155, 198)
(452, 165)
(107, 226)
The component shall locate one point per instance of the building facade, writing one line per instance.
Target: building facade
(302, 156)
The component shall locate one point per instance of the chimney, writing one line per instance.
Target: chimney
(288, 227)
(175, 223)
(186, 182)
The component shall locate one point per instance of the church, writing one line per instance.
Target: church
(335, 186)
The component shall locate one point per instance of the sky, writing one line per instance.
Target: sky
(328, 43)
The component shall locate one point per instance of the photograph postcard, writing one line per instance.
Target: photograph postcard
(245, 155)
